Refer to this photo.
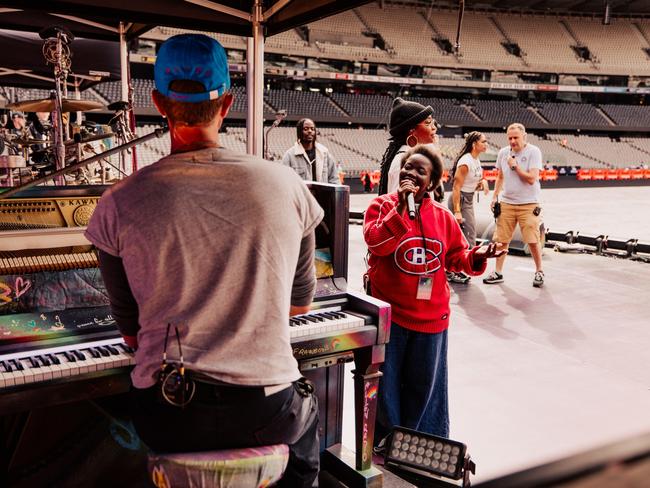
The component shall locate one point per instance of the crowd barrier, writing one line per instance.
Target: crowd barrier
(587, 174)
(612, 174)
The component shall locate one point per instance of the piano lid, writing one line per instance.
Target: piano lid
(332, 232)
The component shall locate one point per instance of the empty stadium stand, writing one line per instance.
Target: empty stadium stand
(408, 36)
(391, 39)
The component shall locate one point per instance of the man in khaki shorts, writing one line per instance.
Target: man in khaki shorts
(519, 165)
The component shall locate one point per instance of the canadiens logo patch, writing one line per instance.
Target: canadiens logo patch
(412, 258)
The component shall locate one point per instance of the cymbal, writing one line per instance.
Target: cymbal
(29, 142)
(47, 105)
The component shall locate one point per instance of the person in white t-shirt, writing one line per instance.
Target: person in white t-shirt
(467, 177)
(518, 168)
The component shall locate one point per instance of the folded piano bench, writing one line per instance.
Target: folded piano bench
(228, 468)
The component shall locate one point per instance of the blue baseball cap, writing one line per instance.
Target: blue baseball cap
(193, 57)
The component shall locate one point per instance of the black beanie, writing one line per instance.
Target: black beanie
(406, 115)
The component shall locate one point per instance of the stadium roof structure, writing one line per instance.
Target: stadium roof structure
(624, 8)
(98, 19)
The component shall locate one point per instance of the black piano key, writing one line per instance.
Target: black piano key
(310, 318)
(54, 359)
(330, 315)
(17, 364)
(70, 357)
(112, 350)
(293, 322)
(33, 362)
(6, 367)
(103, 351)
(94, 352)
(43, 360)
(125, 348)
(79, 355)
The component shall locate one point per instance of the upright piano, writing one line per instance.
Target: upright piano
(59, 343)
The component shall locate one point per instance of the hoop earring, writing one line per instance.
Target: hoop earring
(409, 140)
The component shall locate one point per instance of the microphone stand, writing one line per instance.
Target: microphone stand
(461, 11)
(56, 51)
(279, 117)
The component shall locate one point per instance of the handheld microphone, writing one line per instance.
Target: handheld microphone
(512, 155)
(410, 204)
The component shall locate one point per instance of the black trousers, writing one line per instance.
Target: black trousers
(227, 417)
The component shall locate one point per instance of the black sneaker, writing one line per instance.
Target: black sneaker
(538, 281)
(459, 277)
(493, 278)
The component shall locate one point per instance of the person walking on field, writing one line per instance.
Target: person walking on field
(467, 177)
(518, 166)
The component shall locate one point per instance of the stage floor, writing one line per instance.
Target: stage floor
(539, 374)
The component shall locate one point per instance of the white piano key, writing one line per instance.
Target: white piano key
(30, 374)
(66, 368)
(328, 325)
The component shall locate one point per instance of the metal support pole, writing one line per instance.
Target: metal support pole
(124, 60)
(124, 79)
(255, 83)
(77, 96)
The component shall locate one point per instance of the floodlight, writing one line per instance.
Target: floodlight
(421, 452)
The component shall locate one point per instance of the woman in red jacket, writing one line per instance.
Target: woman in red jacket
(407, 263)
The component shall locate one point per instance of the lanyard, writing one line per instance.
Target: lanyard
(424, 239)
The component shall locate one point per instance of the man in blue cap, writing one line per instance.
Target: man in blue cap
(200, 264)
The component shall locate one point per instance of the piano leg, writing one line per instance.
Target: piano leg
(366, 386)
(356, 469)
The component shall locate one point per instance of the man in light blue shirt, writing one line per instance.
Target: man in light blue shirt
(519, 165)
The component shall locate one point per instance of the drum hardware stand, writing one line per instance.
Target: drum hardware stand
(102, 162)
(82, 164)
(56, 50)
(122, 129)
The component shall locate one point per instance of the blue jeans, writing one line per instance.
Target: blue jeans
(413, 388)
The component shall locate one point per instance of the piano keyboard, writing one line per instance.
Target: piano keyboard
(64, 361)
(50, 262)
(40, 365)
(328, 321)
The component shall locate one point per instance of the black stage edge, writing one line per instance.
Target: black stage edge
(626, 463)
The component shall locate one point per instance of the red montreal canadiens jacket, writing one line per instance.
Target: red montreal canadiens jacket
(398, 259)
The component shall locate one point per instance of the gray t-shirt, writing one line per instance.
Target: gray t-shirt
(515, 190)
(210, 242)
